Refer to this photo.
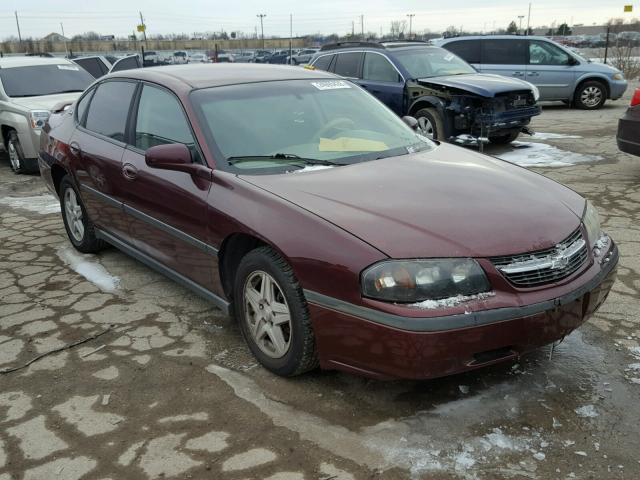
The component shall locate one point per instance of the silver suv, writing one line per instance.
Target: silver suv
(30, 89)
(559, 73)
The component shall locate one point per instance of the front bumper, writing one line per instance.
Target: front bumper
(381, 345)
(617, 89)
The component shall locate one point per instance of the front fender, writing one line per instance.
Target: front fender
(15, 120)
(594, 76)
(426, 101)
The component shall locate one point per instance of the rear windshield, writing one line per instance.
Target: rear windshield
(41, 80)
(432, 62)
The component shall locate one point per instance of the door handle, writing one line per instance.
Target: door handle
(129, 171)
(518, 74)
(74, 148)
(533, 74)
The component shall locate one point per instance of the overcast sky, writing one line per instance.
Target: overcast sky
(120, 17)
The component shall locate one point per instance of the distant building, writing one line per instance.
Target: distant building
(55, 37)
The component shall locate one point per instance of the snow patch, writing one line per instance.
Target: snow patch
(552, 136)
(451, 301)
(313, 168)
(587, 411)
(528, 154)
(89, 268)
(43, 204)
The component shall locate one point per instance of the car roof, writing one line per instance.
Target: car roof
(24, 61)
(492, 37)
(194, 76)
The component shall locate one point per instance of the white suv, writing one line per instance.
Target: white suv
(30, 88)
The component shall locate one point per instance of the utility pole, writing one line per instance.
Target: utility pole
(353, 29)
(520, 28)
(18, 24)
(66, 51)
(261, 16)
(410, 15)
(144, 30)
(290, 38)
(606, 44)
(362, 27)
(529, 19)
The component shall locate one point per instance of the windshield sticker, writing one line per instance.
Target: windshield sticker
(68, 67)
(330, 85)
(448, 57)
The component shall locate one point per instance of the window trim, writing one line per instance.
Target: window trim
(131, 122)
(83, 128)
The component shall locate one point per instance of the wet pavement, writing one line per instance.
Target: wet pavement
(164, 387)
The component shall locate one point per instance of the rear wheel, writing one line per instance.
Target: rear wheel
(590, 95)
(430, 123)
(76, 221)
(504, 139)
(273, 314)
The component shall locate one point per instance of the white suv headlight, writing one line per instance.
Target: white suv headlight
(38, 118)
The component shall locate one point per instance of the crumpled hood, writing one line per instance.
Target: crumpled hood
(46, 102)
(483, 84)
(439, 203)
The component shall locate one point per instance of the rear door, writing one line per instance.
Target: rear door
(383, 81)
(551, 70)
(506, 57)
(347, 64)
(98, 144)
(468, 50)
(167, 210)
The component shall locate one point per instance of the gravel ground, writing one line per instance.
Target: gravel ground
(167, 389)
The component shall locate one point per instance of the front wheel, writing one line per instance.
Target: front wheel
(76, 221)
(430, 123)
(504, 139)
(590, 95)
(16, 155)
(273, 314)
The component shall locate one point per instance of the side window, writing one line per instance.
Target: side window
(545, 53)
(378, 69)
(468, 50)
(94, 65)
(322, 63)
(82, 105)
(348, 64)
(109, 109)
(504, 52)
(161, 120)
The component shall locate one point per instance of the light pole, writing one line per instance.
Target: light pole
(410, 15)
(520, 28)
(261, 16)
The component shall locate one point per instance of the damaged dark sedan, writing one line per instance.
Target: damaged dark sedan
(451, 101)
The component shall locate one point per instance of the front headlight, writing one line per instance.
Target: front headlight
(618, 76)
(536, 92)
(411, 281)
(38, 118)
(591, 221)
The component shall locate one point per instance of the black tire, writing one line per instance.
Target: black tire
(434, 119)
(294, 61)
(89, 243)
(590, 95)
(301, 355)
(17, 160)
(504, 139)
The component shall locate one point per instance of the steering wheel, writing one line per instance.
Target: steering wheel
(342, 123)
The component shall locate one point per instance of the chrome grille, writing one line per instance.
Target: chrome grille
(544, 266)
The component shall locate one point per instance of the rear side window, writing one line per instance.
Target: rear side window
(504, 52)
(348, 64)
(93, 65)
(323, 62)
(126, 63)
(378, 69)
(109, 109)
(468, 50)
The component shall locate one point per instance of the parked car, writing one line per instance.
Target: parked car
(261, 55)
(198, 58)
(334, 233)
(222, 57)
(304, 56)
(100, 65)
(244, 57)
(451, 101)
(30, 89)
(628, 136)
(180, 57)
(558, 72)
(279, 57)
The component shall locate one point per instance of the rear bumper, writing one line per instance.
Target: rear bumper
(380, 345)
(629, 132)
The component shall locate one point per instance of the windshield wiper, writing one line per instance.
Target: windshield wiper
(286, 157)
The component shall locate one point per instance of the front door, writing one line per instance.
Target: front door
(382, 80)
(167, 210)
(551, 70)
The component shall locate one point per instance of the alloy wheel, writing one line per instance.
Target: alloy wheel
(426, 126)
(591, 96)
(73, 214)
(13, 157)
(267, 314)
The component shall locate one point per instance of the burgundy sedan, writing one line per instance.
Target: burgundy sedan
(332, 231)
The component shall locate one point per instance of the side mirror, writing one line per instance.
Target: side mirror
(176, 157)
(573, 61)
(411, 122)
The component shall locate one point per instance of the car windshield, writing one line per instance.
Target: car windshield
(38, 80)
(270, 126)
(432, 62)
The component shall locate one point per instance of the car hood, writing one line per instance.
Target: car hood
(486, 85)
(45, 102)
(448, 202)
